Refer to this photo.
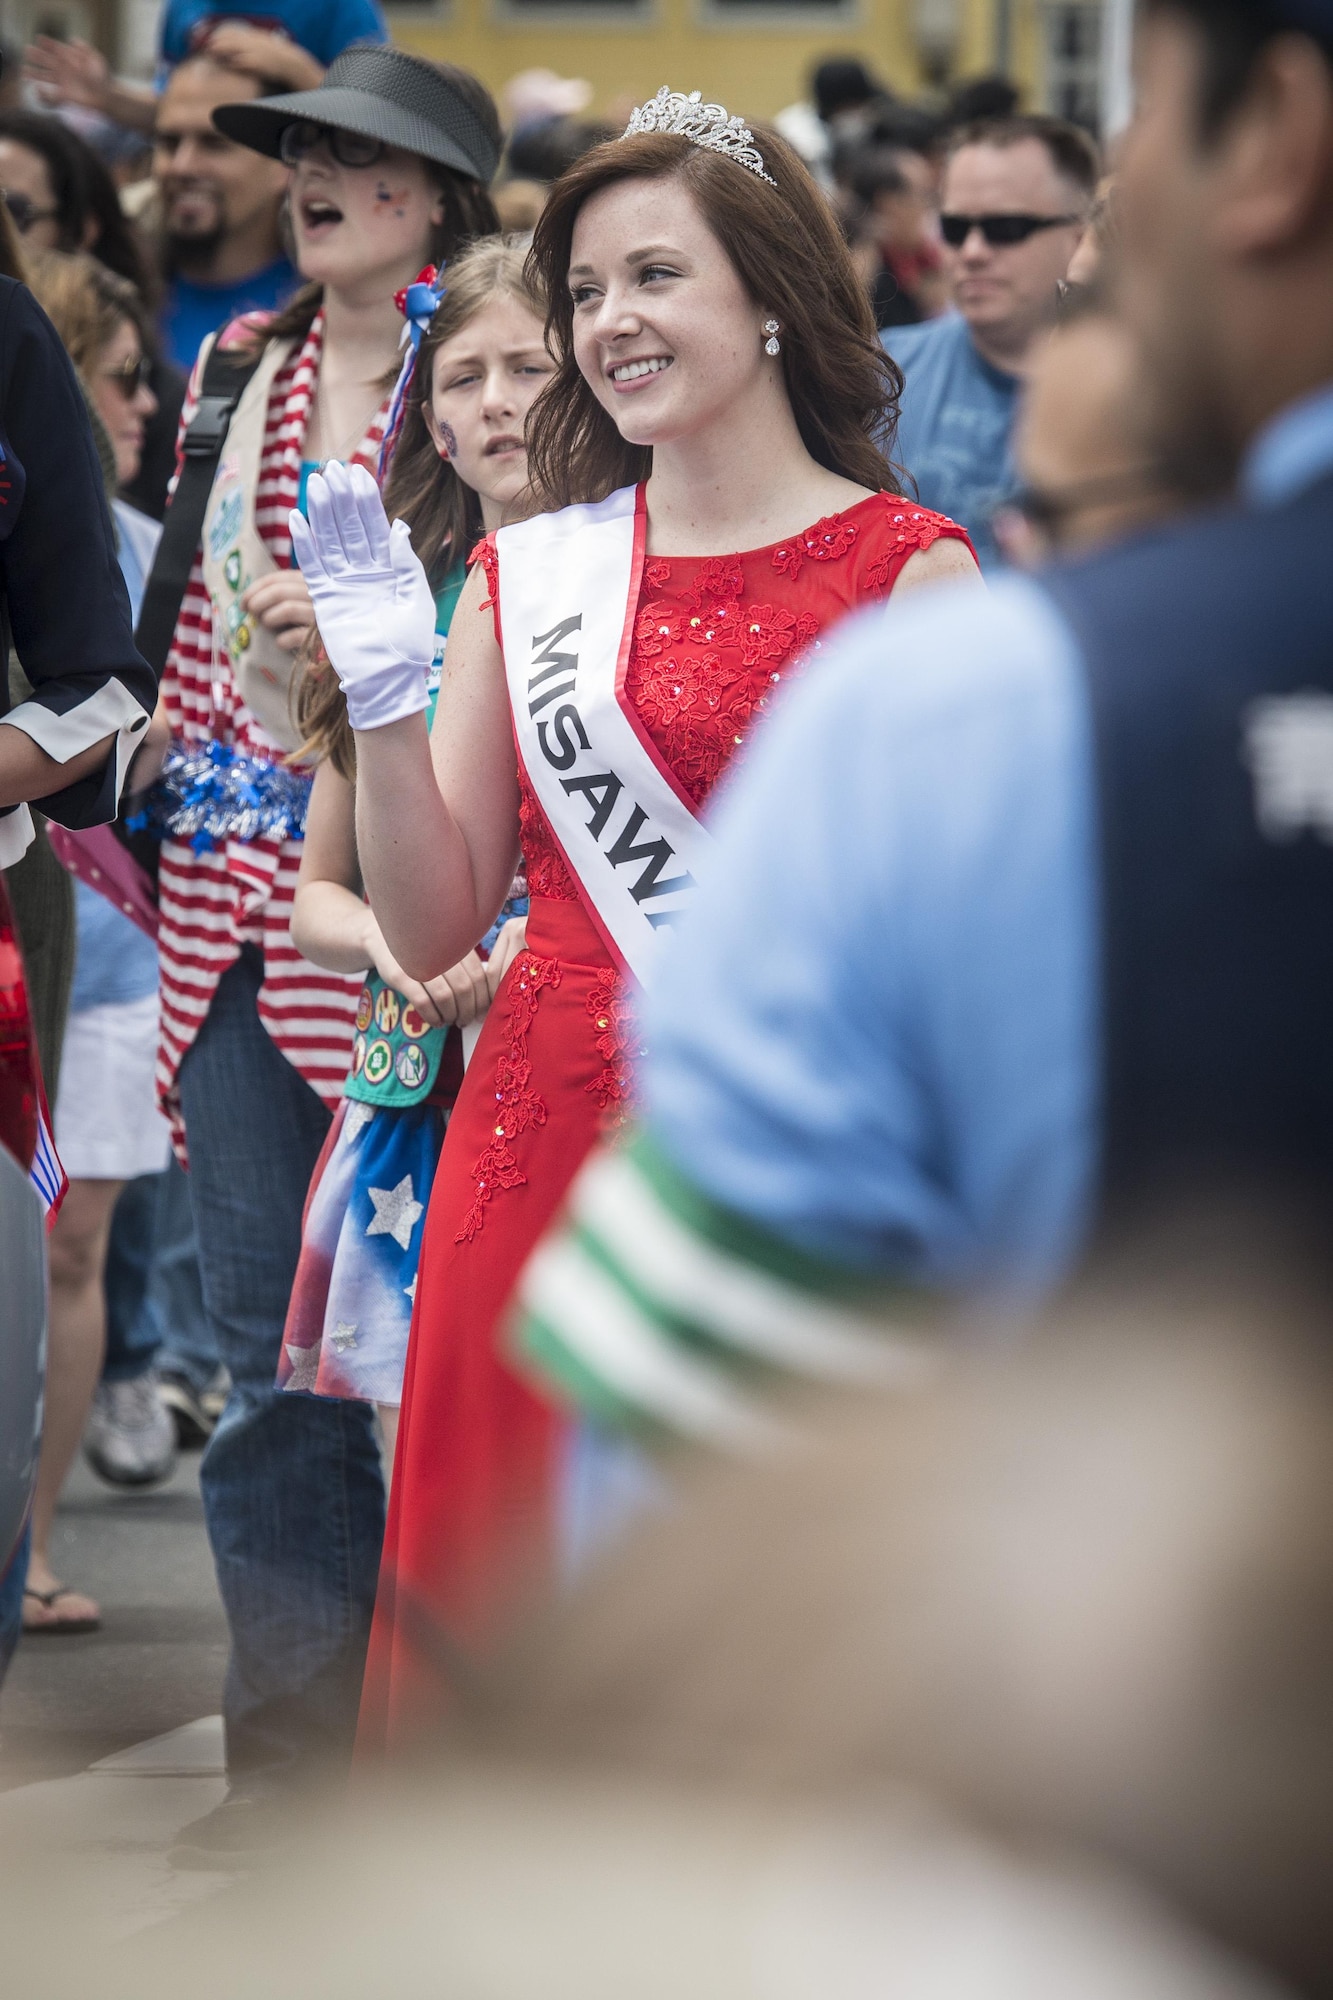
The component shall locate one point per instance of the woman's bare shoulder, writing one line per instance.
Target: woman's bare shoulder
(947, 560)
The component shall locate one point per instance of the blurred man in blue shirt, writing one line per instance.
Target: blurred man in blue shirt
(1016, 196)
(1018, 927)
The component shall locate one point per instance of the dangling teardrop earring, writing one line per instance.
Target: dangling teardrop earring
(772, 345)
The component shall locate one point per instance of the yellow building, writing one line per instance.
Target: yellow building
(755, 55)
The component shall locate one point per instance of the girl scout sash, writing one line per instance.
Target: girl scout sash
(235, 555)
(569, 589)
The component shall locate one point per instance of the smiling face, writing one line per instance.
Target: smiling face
(483, 383)
(123, 415)
(212, 188)
(1007, 292)
(361, 227)
(665, 333)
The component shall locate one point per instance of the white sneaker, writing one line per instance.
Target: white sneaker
(130, 1439)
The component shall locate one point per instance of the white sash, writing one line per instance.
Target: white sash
(569, 588)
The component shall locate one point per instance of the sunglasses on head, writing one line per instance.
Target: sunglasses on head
(999, 230)
(349, 149)
(130, 377)
(23, 210)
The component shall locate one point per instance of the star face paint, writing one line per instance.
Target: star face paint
(393, 200)
(484, 380)
(387, 217)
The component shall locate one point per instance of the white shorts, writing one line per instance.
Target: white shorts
(108, 1126)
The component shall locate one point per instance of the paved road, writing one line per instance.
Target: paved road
(159, 1658)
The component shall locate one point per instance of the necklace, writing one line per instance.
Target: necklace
(335, 448)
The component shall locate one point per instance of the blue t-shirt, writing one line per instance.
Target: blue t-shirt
(955, 424)
(906, 1080)
(325, 27)
(190, 312)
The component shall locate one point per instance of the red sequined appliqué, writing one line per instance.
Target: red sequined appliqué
(518, 1107)
(611, 1015)
(485, 554)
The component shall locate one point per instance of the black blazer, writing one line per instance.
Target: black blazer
(63, 603)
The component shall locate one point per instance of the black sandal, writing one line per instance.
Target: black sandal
(61, 1627)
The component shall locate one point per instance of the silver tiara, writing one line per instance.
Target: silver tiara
(706, 125)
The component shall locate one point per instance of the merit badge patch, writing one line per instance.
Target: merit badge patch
(379, 1061)
(410, 1066)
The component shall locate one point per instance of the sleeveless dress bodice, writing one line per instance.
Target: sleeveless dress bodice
(714, 637)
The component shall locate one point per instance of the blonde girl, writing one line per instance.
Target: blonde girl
(458, 471)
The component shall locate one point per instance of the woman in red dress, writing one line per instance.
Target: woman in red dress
(719, 389)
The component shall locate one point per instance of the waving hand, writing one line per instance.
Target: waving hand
(373, 604)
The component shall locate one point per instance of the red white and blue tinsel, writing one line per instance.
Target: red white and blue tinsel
(210, 793)
(418, 303)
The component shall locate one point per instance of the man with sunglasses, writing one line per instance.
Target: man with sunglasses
(1016, 196)
(220, 207)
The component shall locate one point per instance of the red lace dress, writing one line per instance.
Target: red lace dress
(480, 1453)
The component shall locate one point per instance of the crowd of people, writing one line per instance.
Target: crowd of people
(464, 1120)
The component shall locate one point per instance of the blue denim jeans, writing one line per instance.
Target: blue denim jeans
(292, 1488)
(154, 1301)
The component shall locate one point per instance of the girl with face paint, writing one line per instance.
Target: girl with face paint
(459, 470)
(254, 1039)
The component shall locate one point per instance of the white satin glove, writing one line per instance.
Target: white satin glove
(374, 608)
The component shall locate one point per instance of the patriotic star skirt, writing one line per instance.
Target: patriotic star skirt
(351, 1305)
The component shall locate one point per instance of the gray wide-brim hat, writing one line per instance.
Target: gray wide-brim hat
(382, 93)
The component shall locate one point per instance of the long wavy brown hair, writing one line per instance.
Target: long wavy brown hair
(788, 252)
(443, 514)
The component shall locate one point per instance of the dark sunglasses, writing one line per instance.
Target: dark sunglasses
(130, 377)
(23, 210)
(349, 149)
(999, 230)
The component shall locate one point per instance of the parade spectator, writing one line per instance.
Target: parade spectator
(1015, 200)
(843, 104)
(69, 739)
(894, 230)
(107, 1126)
(221, 242)
(60, 195)
(846, 97)
(1086, 470)
(292, 41)
(1094, 806)
(390, 158)
(63, 198)
(1088, 263)
(539, 151)
(980, 97)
